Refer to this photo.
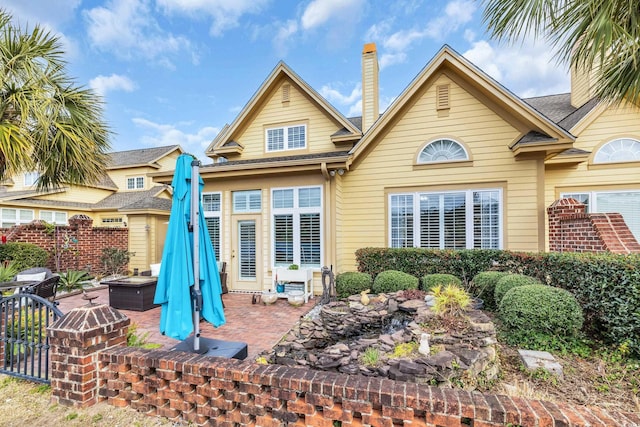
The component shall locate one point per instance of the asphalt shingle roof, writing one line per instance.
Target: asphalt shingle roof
(120, 159)
(558, 109)
(277, 159)
(126, 198)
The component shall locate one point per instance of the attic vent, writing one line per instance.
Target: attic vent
(285, 92)
(442, 97)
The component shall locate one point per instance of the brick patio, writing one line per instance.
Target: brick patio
(260, 326)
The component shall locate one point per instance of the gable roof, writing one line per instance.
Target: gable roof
(281, 70)
(559, 109)
(140, 157)
(545, 130)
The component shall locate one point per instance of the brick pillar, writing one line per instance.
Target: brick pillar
(86, 246)
(559, 210)
(76, 341)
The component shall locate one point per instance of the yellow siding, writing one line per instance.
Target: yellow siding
(582, 82)
(611, 124)
(275, 113)
(79, 194)
(119, 176)
(389, 168)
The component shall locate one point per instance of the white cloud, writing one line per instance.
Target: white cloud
(169, 134)
(395, 45)
(319, 12)
(45, 12)
(351, 101)
(225, 14)
(284, 32)
(527, 70)
(103, 84)
(128, 29)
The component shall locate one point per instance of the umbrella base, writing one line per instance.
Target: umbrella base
(215, 348)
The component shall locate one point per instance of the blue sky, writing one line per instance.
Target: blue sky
(175, 71)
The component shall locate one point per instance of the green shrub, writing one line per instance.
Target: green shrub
(7, 271)
(430, 281)
(73, 279)
(606, 285)
(24, 255)
(509, 282)
(537, 308)
(115, 260)
(352, 283)
(483, 285)
(392, 280)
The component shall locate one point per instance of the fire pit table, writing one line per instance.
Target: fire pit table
(132, 293)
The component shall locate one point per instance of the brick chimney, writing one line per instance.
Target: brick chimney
(370, 107)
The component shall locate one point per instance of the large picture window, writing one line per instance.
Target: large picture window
(626, 203)
(54, 217)
(297, 226)
(211, 206)
(446, 220)
(286, 138)
(10, 217)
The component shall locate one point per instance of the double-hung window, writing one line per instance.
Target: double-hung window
(211, 206)
(135, 183)
(54, 217)
(286, 138)
(626, 203)
(10, 217)
(446, 220)
(297, 226)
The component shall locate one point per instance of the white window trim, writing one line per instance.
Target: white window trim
(248, 210)
(285, 138)
(608, 143)
(33, 178)
(17, 220)
(135, 182)
(296, 211)
(66, 216)
(461, 145)
(216, 214)
(468, 215)
(592, 207)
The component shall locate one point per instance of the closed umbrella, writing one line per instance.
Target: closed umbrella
(188, 285)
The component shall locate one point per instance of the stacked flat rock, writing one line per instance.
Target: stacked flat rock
(338, 337)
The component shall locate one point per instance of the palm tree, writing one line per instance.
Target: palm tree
(598, 35)
(47, 123)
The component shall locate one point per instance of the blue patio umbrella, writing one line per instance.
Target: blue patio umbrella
(189, 283)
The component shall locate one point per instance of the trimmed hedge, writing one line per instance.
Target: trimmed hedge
(24, 255)
(392, 280)
(352, 283)
(541, 308)
(484, 284)
(510, 281)
(607, 286)
(430, 281)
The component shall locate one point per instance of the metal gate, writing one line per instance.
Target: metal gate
(24, 345)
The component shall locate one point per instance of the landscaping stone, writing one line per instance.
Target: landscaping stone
(341, 331)
(533, 360)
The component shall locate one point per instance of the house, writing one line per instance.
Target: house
(126, 196)
(456, 161)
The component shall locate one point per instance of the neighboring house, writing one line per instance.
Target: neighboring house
(125, 197)
(456, 161)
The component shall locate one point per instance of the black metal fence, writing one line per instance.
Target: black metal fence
(24, 345)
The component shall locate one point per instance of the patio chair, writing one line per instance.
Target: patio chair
(33, 273)
(45, 289)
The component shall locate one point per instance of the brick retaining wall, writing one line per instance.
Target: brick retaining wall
(227, 392)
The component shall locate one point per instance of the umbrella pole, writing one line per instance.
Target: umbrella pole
(194, 228)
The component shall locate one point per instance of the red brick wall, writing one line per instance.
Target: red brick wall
(573, 230)
(79, 245)
(228, 392)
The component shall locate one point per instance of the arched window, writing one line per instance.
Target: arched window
(442, 150)
(618, 150)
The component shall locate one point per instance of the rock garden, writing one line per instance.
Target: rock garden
(395, 335)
